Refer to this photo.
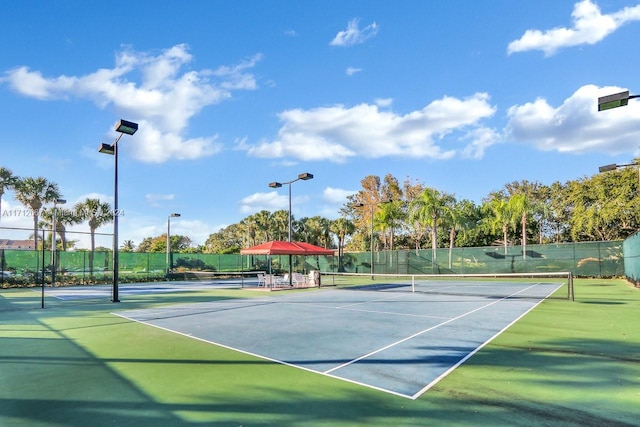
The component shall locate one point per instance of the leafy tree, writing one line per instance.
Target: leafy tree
(178, 243)
(606, 207)
(226, 240)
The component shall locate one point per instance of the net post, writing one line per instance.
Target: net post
(572, 295)
(413, 283)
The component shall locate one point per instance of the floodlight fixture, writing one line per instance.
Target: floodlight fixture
(305, 176)
(607, 168)
(275, 184)
(107, 149)
(125, 126)
(615, 100)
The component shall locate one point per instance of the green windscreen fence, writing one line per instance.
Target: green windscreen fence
(631, 249)
(589, 259)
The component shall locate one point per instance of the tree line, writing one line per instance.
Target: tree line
(388, 214)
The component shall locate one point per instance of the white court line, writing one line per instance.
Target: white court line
(348, 308)
(424, 331)
(477, 349)
(394, 296)
(260, 356)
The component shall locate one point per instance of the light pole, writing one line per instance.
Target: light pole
(301, 177)
(129, 128)
(371, 206)
(173, 215)
(54, 229)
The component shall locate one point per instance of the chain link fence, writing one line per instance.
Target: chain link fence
(25, 267)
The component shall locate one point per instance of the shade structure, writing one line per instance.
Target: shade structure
(286, 248)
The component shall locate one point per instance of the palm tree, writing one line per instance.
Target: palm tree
(262, 221)
(500, 217)
(519, 207)
(430, 208)
(389, 217)
(97, 214)
(280, 224)
(7, 181)
(460, 217)
(342, 228)
(64, 217)
(34, 193)
(127, 246)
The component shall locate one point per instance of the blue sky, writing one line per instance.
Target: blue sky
(463, 96)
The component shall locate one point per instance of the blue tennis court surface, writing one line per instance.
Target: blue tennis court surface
(401, 343)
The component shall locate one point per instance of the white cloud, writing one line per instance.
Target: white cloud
(576, 126)
(354, 35)
(156, 200)
(196, 230)
(271, 201)
(384, 102)
(163, 101)
(589, 27)
(352, 70)
(257, 202)
(158, 147)
(338, 133)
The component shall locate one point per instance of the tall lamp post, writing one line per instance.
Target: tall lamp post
(129, 128)
(173, 215)
(302, 177)
(371, 206)
(54, 229)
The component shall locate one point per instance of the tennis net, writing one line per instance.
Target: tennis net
(534, 285)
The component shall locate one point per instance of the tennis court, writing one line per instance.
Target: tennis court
(379, 337)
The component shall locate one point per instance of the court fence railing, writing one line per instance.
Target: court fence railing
(585, 259)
